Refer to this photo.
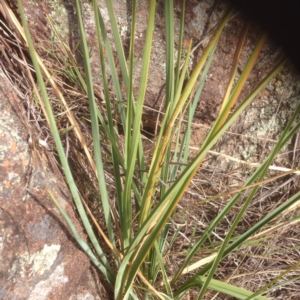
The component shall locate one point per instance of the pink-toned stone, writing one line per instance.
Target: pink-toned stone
(39, 258)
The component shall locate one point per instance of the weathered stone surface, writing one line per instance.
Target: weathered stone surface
(39, 258)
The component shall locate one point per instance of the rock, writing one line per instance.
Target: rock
(39, 258)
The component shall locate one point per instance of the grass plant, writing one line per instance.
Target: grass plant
(136, 232)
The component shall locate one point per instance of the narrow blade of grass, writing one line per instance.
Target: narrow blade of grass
(95, 126)
(132, 154)
(219, 286)
(108, 273)
(85, 247)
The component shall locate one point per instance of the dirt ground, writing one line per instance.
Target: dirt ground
(249, 140)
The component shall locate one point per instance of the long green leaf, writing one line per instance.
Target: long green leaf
(232, 202)
(136, 126)
(163, 211)
(219, 286)
(164, 141)
(256, 175)
(271, 283)
(108, 270)
(85, 247)
(114, 140)
(114, 73)
(244, 237)
(219, 122)
(117, 41)
(160, 214)
(169, 19)
(95, 126)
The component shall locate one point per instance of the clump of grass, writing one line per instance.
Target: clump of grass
(139, 200)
